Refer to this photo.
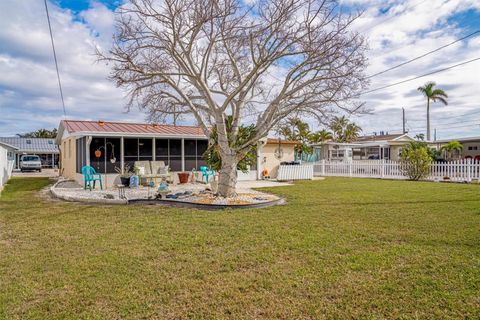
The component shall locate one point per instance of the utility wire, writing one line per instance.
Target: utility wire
(452, 117)
(55, 58)
(423, 55)
(418, 77)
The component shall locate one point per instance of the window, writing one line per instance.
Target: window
(29, 141)
(109, 154)
(69, 149)
(473, 148)
(194, 150)
(64, 151)
(176, 155)
(50, 142)
(137, 150)
(170, 151)
(145, 149)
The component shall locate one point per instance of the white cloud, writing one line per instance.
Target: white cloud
(409, 29)
(28, 86)
(397, 30)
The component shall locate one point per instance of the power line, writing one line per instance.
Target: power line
(423, 55)
(418, 77)
(452, 117)
(55, 58)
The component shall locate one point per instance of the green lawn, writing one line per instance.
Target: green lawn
(340, 248)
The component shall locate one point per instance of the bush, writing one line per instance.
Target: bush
(415, 161)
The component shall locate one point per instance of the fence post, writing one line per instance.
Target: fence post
(383, 169)
(469, 173)
(350, 163)
(323, 167)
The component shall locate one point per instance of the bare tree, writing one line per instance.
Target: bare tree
(215, 58)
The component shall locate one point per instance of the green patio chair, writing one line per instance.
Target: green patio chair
(206, 173)
(90, 176)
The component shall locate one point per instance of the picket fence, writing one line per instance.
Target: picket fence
(295, 172)
(464, 170)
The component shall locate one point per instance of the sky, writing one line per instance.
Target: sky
(396, 31)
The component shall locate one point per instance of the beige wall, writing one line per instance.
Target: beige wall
(472, 153)
(395, 153)
(270, 162)
(68, 158)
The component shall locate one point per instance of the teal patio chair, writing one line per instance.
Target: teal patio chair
(90, 176)
(206, 173)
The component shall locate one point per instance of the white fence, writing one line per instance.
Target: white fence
(461, 170)
(295, 172)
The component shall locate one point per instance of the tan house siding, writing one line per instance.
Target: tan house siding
(68, 156)
(395, 153)
(270, 162)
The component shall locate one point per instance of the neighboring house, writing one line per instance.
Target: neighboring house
(374, 147)
(7, 157)
(471, 147)
(110, 146)
(46, 149)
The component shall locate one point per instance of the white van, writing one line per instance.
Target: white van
(30, 163)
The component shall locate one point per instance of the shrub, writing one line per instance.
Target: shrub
(415, 161)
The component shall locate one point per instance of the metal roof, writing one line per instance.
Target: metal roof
(384, 137)
(106, 127)
(8, 146)
(276, 141)
(32, 145)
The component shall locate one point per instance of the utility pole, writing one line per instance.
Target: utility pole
(403, 114)
(435, 134)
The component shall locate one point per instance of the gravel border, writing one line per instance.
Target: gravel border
(160, 202)
(83, 200)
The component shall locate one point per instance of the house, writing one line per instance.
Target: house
(46, 149)
(471, 147)
(372, 147)
(7, 160)
(110, 146)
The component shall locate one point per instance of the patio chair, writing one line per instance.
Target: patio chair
(90, 176)
(206, 173)
(159, 169)
(144, 168)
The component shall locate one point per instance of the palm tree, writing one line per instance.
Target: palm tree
(344, 130)
(321, 136)
(352, 131)
(434, 95)
(451, 148)
(337, 125)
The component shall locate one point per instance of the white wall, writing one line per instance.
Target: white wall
(6, 166)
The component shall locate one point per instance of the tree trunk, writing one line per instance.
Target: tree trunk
(428, 119)
(227, 178)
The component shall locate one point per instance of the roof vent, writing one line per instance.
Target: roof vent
(101, 123)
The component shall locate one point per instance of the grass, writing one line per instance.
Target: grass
(340, 248)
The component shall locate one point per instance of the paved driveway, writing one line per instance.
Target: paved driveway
(50, 173)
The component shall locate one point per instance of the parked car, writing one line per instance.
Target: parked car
(30, 163)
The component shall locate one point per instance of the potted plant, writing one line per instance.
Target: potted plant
(125, 175)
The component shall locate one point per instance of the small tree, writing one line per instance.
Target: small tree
(452, 149)
(415, 161)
